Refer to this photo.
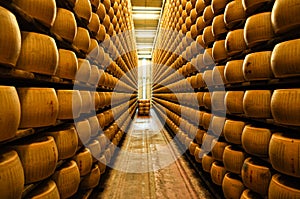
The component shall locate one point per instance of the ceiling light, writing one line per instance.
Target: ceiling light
(145, 16)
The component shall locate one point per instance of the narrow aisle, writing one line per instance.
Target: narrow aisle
(147, 167)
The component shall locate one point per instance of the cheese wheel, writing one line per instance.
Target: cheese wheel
(94, 24)
(234, 71)
(67, 65)
(84, 161)
(234, 102)
(217, 173)
(257, 66)
(67, 179)
(285, 16)
(208, 15)
(70, 104)
(219, 52)
(208, 38)
(218, 6)
(199, 136)
(192, 148)
(87, 103)
(39, 107)
(217, 100)
(94, 124)
(234, 14)
(217, 125)
(200, 98)
(200, 6)
(39, 158)
(103, 140)
(233, 131)
(11, 175)
(95, 75)
(248, 194)
(256, 141)
(235, 43)
(251, 6)
(219, 26)
(84, 131)
(206, 120)
(65, 25)
(232, 186)
(94, 50)
(10, 39)
(198, 153)
(258, 29)
(207, 162)
(200, 26)
(256, 175)
(208, 58)
(10, 112)
(91, 180)
(283, 156)
(218, 75)
(218, 149)
(284, 187)
(38, 54)
(82, 39)
(66, 141)
(207, 142)
(95, 148)
(257, 103)
(108, 155)
(207, 100)
(233, 159)
(43, 11)
(207, 77)
(83, 9)
(284, 60)
(46, 190)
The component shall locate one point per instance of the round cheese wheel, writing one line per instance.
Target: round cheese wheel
(233, 131)
(207, 162)
(219, 52)
(39, 107)
(192, 147)
(84, 71)
(70, 104)
(248, 194)
(39, 54)
(10, 39)
(234, 14)
(257, 66)
(199, 136)
(65, 25)
(234, 71)
(217, 173)
(233, 159)
(67, 179)
(87, 103)
(84, 161)
(208, 57)
(91, 180)
(256, 141)
(207, 100)
(284, 187)
(198, 153)
(94, 24)
(95, 75)
(217, 125)
(207, 77)
(10, 112)
(84, 131)
(283, 156)
(219, 26)
(284, 60)
(200, 6)
(217, 99)
(83, 9)
(39, 158)
(67, 65)
(208, 38)
(102, 164)
(232, 186)
(251, 6)
(66, 141)
(235, 42)
(82, 39)
(218, 75)
(43, 11)
(94, 49)
(200, 25)
(207, 142)
(257, 103)
(95, 148)
(258, 29)
(256, 175)
(11, 175)
(45, 190)
(218, 6)
(218, 149)
(234, 102)
(208, 15)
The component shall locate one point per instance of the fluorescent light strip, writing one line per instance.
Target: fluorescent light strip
(145, 16)
(137, 8)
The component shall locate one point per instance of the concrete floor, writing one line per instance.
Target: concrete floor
(150, 165)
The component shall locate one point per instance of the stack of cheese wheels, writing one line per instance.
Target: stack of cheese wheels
(218, 76)
(258, 29)
(43, 11)
(257, 66)
(232, 186)
(66, 141)
(82, 40)
(234, 102)
(46, 189)
(283, 156)
(11, 175)
(233, 131)
(39, 107)
(84, 161)
(91, 180)
(285, 16)
(234, 71)
(67, 65)
(257, 103)
(217, 173)
(235, 43)
(234, 14)
(248, 194)
(94, 125)
(217, 99)
(218, 149)
(256, 140)
(39, 158)
(284, 62)
(285, 106)
(256, 175)
(284, 187)
(10, 40)
(84, 131)
(65, 25)
(83, 9)
(233, 159)
(67, 179)
(84, 70)
(69, 104)
(39, 54)
(207, 162)
(10, 112)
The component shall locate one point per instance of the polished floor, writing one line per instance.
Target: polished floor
(150, 165)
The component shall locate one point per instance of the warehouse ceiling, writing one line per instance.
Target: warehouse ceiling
(146, 14)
